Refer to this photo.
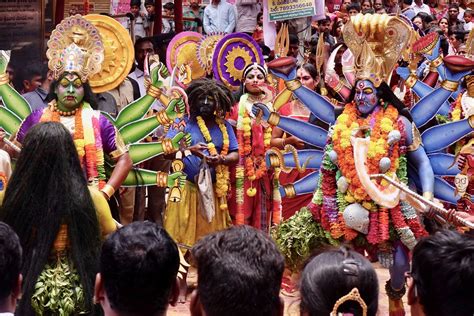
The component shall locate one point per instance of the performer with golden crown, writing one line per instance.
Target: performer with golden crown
(374, 134)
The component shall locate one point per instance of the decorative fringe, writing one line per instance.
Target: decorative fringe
(395, 308)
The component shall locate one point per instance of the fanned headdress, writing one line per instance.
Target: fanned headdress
(75, 46)
(377, 42)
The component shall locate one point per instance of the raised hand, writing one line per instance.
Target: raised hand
(290, 76)
(261, 109)
(434, 52)
(175, 107)
(176, 179)
(198, 149)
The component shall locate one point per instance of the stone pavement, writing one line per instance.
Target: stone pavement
(291, 303)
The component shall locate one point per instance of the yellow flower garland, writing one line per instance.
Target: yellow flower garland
(222, 171)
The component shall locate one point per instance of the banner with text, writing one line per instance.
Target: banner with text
(279, 10)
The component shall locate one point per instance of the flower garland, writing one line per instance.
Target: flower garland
(456, 109)
(250, 166)
(87, 140)
(382, 122)
(222, 171)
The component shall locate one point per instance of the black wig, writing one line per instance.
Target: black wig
(47, 189)
(209, 87)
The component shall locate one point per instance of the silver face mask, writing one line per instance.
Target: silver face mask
(357, 218)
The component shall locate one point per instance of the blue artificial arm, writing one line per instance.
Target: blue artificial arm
(304, 185)
(318, 105)
(443, 164)
(441, 136)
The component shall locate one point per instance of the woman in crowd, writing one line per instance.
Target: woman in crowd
(59, 222)
(443, 25)
(308, 76)
(339, 281)
(251, 202)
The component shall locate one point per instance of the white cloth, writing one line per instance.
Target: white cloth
(220, 18)
(423, 8)
(247, 11)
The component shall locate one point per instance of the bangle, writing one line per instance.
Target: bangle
(292, 85)
(394, 294)
(161, 179)
(4, 79)
(339, 86)
(411, 81)
(274, 160)
(274, 119)
(167, 145)
(450, 85)
(108, 190)
(153, 92)
(289, 190)
(437, 61)
(163, 118)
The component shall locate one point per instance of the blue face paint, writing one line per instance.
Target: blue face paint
(365, 96)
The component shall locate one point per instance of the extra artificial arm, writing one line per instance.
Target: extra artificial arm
(14, 101)
(304, 185)
(318, 105)
(439, 137)
(430, 103)
(443, 164)
(309, 133)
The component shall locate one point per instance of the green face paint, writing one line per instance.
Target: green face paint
(70, 92)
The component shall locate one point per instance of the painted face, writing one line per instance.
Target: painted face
(365, 96)
(305, 78)
(207, 106)
(70, 91)
(253, 80)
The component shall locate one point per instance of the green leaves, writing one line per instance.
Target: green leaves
(58, 290)
(298, 236)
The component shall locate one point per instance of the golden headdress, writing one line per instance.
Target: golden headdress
(75, 46)
(377, 42)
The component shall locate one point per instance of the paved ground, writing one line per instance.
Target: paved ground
(291, 303)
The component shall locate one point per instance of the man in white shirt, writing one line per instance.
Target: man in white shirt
(10, 270)
(219, 16)
(418, 6)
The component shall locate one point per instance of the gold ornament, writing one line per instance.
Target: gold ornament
(75, 46)
(206, 51)
(236, 52)
(377, 42)
(118, 51)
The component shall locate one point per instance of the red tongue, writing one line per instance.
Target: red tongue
(283, 64)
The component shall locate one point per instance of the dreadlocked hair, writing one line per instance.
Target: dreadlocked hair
(209, 87)
(47, 189)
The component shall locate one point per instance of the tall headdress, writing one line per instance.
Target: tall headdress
(377, 42)
(75, 46)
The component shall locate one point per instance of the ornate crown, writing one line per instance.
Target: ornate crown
(75, 46)
(377, 42)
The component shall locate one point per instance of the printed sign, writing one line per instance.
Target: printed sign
(290, 9)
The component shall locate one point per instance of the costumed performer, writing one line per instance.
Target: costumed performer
(59, 223)
(251, 202)
(203, 210)
(347, 203)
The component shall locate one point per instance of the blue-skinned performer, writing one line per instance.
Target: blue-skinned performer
(372, 135)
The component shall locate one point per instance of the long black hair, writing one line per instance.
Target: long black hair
(208, 87)
(89, 96)
(48, 188)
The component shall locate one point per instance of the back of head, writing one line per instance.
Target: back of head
(333, 274)
(239, 272)
(138, 265)
(10, 260)
(443, 273)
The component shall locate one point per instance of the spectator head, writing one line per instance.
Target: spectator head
(468, 14)
(135, 7)
(294, 45)
(353, 8)
(150, 6)
(308, 76)
(418, 21)
(32, 76)
(453, 11)
(442, 275)
(406, 3)
(168, 8)
(324, 25)
(378, 5)
(239, 273)
(260, 18)
(456, 39)
(332, 275)
(443, 24)
(345, 4)
(138, 268)
(195, 4)
(366, 5)
(143, 46)
(10, 267)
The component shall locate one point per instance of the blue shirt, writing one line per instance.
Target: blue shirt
(192, 162)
